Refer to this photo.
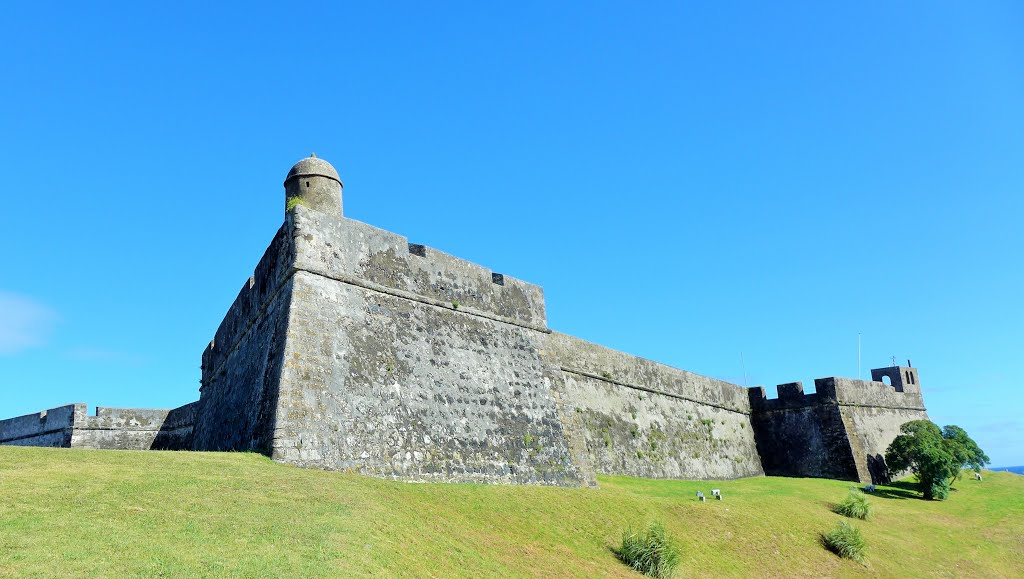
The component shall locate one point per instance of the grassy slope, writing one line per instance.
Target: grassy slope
(112, 513)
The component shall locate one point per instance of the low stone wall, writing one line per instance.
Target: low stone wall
(51, 427)
(136, 429)
(640, 418)
(111, 428)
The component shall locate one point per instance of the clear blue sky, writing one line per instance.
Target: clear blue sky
(686, 182)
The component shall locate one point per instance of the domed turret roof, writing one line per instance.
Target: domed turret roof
(313, 165)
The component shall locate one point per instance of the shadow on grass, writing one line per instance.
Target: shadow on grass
(617, 553)
(898, 490)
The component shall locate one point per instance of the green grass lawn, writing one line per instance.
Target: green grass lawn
(114, 513)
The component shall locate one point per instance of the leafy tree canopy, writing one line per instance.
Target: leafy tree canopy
(936, 456)
(967, 452)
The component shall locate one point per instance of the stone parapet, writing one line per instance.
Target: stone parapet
(851, 392)
(588, 359)
(354, 252)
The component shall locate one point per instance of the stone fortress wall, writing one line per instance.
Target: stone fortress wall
(350, 348)
(641, 418)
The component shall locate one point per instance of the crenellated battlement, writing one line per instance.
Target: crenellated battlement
(845, 392)
(792, 395)
(839, 431)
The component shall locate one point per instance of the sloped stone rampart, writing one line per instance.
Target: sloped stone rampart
(238, 401)
(292, 371)
(242, 365)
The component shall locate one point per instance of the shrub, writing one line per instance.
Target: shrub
(652, 553)
(855, 506)
(846, 541)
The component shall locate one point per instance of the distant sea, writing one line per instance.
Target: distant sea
(1015, 469)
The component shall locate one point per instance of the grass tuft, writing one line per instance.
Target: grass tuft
(855, 506)
(846, 541)
(653, 552)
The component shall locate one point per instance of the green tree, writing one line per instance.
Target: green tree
(935, 456)
(920, 449)
(966, 452)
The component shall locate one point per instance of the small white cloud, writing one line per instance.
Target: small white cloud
(24, 323)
